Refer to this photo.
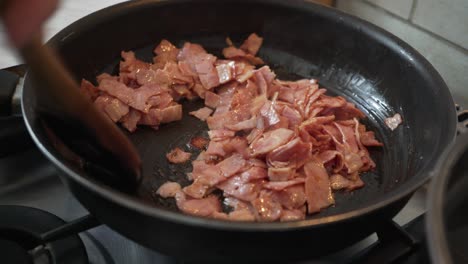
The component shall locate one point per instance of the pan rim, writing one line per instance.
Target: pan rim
(133, 204)
(435, 224)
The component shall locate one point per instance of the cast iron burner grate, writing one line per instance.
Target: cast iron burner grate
(22, 232)
(23, 228)
(403, 245)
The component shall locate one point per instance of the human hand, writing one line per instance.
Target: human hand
(24, 18)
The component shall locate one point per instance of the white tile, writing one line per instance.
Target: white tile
(450, 62)
(446, 18)
(401, 8)
(72, 10)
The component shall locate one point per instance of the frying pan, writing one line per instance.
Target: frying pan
(370, 67)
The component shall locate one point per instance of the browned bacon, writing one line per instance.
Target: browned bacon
(177, 155)
(277, 150)
(199, 142)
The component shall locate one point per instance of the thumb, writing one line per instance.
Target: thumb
(23, 18)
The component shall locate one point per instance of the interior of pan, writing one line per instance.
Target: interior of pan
(377, 72)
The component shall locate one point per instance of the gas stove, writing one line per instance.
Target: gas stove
(34, 200)
(40, 193)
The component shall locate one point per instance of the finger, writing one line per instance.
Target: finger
(23, 18)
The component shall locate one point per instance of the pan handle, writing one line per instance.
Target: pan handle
(74, 227)
(14, 136)
(71, 228)
(394, 244)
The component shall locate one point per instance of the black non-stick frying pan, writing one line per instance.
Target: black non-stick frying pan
(352, 58)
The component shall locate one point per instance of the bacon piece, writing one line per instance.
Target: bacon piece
(145, 76)
(241, 211)
(266, 208)
(214, 174)
(112, 107)
(254, 173)
(211, 99)
(199, 207)
(211, 176)
(196, 190)
(348, 111)
(242, 215)
(200, 165)
(168, 189)
(294, 153)
(152, 118)
(245, 72)
(348, 146)
(202, 113)
(158, 116)
(199, 142)
(233, 52)
(394, 121)
(216, 148)
(280, 174)
(270, 140)
(237, 145)
(317, 188)
(269, 113)
(281, 185)
(186, 69)
(104, 76)
(220, 134)
(252, 44)
(161, 100)
(200, 62)
(175, 74)
(254, 134)
(130, 120)
(89, 90)
(170, 114)
(177, 155)
(332, 155)
(247, 51)
(226, 71)
(130, 63)
(165, 52)
(368, 139)
(136, 98)
(292, 197)
(292, 215)
(239, 188)
(338, 182)
(317, 122)
(330, 102)
(292, 115)
(231, 165)
(243, 125)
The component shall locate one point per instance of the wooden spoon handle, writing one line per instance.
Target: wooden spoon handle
(57, 92)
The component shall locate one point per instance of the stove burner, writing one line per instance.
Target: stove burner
(14, 252)
(20, 231)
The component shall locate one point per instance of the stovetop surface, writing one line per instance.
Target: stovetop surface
(36, 184)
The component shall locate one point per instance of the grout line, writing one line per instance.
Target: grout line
(413, 9)
(448, 42)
